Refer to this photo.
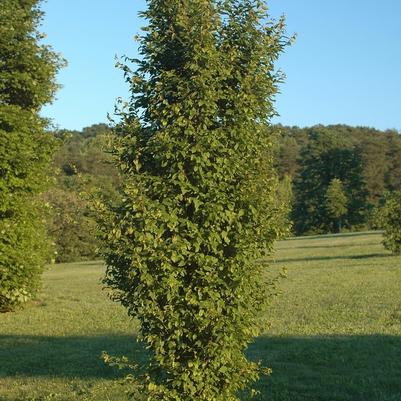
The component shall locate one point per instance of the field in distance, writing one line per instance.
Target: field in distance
(335, 330)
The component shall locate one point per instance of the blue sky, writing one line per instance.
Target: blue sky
(345, 66)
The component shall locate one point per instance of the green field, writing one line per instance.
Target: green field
(335, 330)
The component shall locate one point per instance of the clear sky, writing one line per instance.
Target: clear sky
(345, 66)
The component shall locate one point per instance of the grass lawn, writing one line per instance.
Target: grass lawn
(335, 331)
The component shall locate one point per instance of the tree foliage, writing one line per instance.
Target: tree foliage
(83, 168)
(380, 153)
(82, 171)
(284, 199)
(328, 156)
(27, 82)
(336, 201)
(389, 219)
(71, 226)
(199, 209)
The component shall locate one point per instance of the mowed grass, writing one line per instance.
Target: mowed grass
(335, 330)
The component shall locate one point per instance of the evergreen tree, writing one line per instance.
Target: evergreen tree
(27, 82)
(199, 208)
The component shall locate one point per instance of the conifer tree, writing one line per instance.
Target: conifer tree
(182, 250)
(27, 82)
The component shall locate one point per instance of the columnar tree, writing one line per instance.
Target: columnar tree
(27, 72)
(183, 249)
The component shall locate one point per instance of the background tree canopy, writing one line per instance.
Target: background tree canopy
(82, 170)
(365, 160)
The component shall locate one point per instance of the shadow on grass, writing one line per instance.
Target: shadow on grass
(71, 357)
(332, 368)
(342, 235)
(333, 257)
(96, 262)
(330, 246)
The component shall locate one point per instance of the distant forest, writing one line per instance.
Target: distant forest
(330, 177)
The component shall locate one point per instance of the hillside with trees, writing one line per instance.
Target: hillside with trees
(366, 161)
(332, 177)
(82, 171)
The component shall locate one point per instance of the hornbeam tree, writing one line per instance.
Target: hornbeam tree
(184, 249)
(27, 82)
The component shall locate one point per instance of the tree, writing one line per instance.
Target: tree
(199, 209)
(27, 82)
(287, 156)
(393, 177)
(71, 226)
(336, 202)
(375, 164)
(326, 156)
(82, 171)
(284, 203)
(389, 219)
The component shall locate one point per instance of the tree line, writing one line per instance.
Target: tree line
(81, 172)
(339, 174)
(332, 178)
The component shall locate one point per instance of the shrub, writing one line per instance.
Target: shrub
(27, 71)
(24, 253)
(389, 219)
